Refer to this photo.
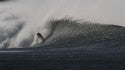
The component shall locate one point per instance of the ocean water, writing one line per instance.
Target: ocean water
(70, 43)
(71, 46)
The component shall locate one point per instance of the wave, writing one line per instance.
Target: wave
(73, 33)
(19, 23)
(18, 33)
(65, 32)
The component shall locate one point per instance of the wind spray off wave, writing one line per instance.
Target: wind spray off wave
(35, 18)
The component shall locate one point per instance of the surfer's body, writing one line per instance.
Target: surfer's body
(40, 37)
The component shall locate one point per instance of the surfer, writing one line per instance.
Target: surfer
(40, 36)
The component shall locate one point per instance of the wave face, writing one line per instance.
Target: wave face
(72, 33)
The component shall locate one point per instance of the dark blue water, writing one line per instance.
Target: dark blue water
(102, 56)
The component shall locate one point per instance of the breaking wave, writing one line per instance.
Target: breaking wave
(65, 32)
(74, 33)
(20, 23)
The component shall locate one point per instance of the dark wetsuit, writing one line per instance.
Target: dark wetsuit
(40, 36)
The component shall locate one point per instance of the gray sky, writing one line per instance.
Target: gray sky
(103, 11)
